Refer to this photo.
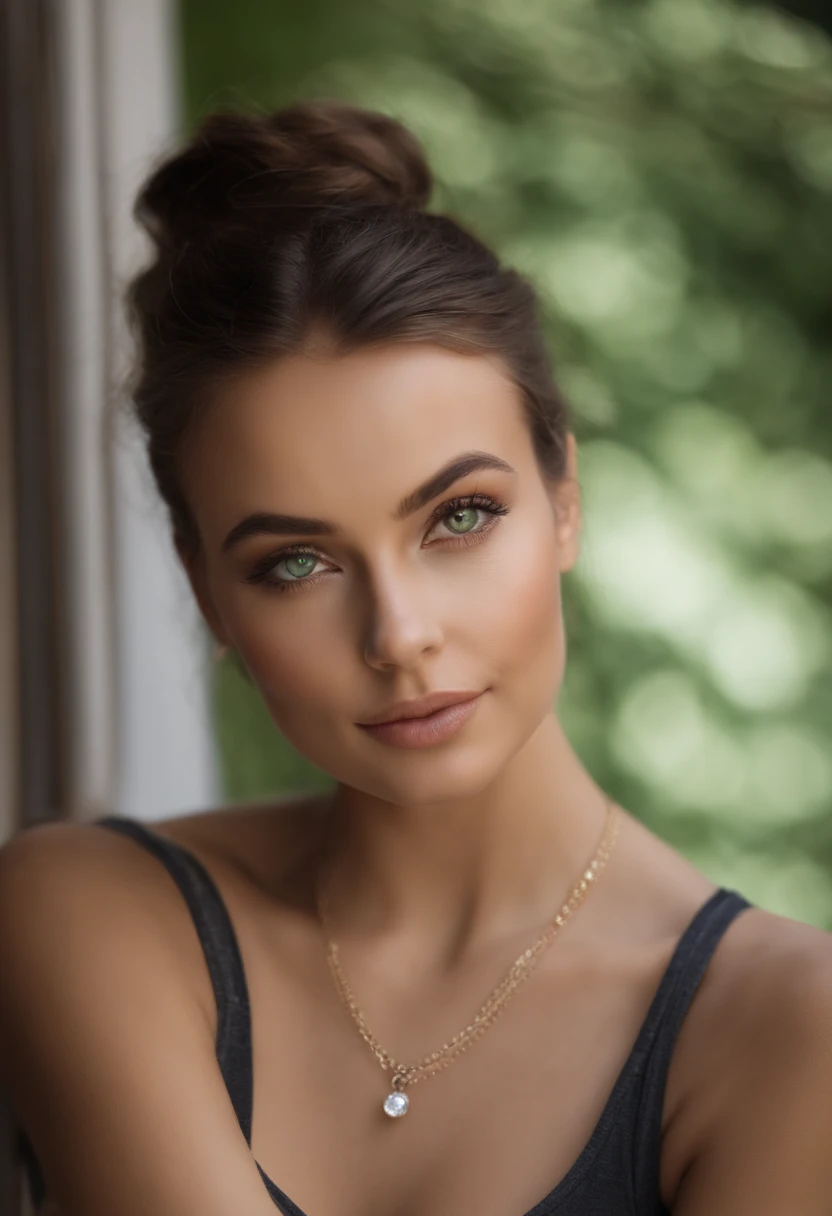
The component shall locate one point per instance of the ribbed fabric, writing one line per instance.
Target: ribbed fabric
(617, 1171)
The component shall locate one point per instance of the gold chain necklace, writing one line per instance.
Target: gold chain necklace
(397, 1102)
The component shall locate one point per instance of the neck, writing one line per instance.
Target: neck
(454, 877)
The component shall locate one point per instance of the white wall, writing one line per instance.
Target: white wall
(142, 740)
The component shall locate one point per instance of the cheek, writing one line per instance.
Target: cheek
(520, 617)
(298, 681)
(293, 671)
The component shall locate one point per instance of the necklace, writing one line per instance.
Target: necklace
(397, 1101)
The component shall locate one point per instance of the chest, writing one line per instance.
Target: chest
(510, 1123)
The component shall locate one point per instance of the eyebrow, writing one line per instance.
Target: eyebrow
(264, 522)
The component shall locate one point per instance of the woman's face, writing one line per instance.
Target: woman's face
(406, 592)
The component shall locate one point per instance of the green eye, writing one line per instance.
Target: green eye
(460, 515)
(463, 520)
(304, 561)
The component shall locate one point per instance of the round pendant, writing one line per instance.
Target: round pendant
(396, 1104)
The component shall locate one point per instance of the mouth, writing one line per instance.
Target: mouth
(421, 707)
(426, 729)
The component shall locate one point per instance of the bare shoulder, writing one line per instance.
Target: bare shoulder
(78, 902)
(70, 867)
(770, 975)
(747, 1113)
(79, 866)
(752, 1074)
(107, 1023)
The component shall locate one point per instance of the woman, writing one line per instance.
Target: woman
(372, 487)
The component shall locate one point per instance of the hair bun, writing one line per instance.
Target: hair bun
(311, 154)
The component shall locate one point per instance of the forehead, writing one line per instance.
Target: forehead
(314, 429)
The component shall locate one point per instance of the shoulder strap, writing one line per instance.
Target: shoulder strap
(222, 954)
(656, 1041)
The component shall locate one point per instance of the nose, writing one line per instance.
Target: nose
(402, 627)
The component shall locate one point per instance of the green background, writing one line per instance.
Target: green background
(662, 171)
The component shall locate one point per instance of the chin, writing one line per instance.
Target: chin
(450, 772)
(445, 779)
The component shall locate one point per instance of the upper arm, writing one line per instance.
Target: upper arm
(766, 1144)
(105, 1047)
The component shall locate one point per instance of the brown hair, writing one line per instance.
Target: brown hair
(267, 227)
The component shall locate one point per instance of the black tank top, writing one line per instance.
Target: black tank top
(616, 1172)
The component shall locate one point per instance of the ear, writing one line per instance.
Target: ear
(194, 566)
(565, 496)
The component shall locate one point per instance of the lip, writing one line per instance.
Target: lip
(420, 707)
(426, 729)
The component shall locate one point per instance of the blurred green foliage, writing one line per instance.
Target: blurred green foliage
(662, 171)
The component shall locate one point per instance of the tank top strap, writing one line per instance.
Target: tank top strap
(654, 1047)
(222, 955)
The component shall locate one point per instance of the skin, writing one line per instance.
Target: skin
(441, 866)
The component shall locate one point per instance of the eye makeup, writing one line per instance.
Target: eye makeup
(493, 508)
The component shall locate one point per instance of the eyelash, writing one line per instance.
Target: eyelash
(484, 502)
